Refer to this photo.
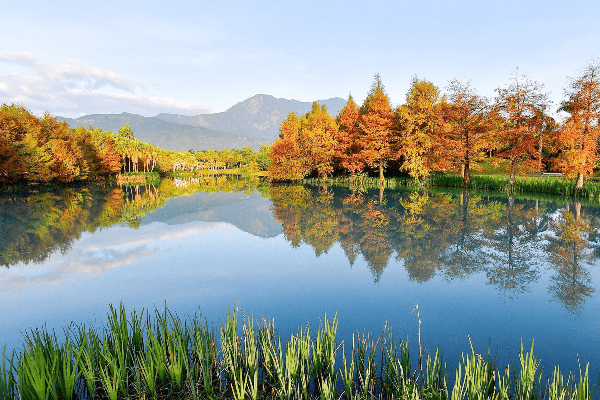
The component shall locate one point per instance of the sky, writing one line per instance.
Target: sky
(72, 58)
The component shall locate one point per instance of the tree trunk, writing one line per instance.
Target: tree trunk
(466, 174)
(579, 185)
(512, 179)
(381, 179)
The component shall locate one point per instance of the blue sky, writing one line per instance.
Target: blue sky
(78, 57)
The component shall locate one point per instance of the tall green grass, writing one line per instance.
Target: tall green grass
(162, 356)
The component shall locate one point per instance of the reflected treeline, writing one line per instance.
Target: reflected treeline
(454, 234)
(33, 225)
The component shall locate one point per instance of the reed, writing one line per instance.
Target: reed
(162, 356)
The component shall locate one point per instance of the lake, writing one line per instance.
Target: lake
(496, 269)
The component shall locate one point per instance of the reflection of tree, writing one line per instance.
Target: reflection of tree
(464, 255)
(374, 239)
(36, 224)
(569, 253)
(511, 250)
(456, 234)
(416, 248)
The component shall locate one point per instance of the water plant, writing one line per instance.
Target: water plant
(164, 356)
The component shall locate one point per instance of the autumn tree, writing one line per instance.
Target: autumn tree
(578, 136)
(347, 148)
(375, 123)
(316, 139)
(419, 126)
(468, 123)
(287, 162)
(522, 106)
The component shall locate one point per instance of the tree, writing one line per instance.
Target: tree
(347, 149)
(375, 137)
(316, 139)
(287, 162)
(126, 132)
(522, 107)
(468, 125)
(578, 136)
(419, 125)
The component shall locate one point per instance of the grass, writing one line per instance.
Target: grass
(499, 183)
(162, 356)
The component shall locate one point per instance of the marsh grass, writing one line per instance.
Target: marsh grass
(531, 184)
(162, 356)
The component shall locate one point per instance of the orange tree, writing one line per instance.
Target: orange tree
(287, 162)
(522, 107)
(578, 136)
(419, 126)
(375, 123)
(347, 149)
(468, 124)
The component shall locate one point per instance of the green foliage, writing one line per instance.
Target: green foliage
(163, 357)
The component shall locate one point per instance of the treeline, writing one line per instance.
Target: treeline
(42, 149)
(454, 131)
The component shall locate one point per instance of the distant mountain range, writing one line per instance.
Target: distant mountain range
(166, 135)
(252, 122)
(259, 116)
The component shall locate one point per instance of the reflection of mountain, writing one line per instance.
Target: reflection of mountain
(248, 212)
(35, 225)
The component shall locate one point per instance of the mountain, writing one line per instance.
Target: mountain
(252, 122)
(259, 116)
(167, 135)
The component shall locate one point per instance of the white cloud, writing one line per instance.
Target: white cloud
(73, 89)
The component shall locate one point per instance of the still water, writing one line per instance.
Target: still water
(494, 269)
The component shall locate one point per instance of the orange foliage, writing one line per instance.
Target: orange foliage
(375, 137)
(522, 107)
(468, 123)
(578, 136)
(347, 149)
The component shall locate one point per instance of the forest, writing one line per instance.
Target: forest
(452, 131)
(34, 149)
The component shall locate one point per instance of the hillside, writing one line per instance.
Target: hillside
(167, 135)
(259, 116)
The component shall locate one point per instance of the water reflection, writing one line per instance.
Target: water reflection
(513, 242)
(456, 234)
(37, 224)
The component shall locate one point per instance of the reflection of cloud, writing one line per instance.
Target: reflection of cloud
(94, 254)
(166, 232)
(73, 88)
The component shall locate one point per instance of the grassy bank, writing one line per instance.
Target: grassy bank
(543, 185)
(162, 356)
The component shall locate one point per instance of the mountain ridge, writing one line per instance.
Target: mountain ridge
(164, 134)
(258, 116)
(252, 122)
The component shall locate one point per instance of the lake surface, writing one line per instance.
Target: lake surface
(494, 269)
